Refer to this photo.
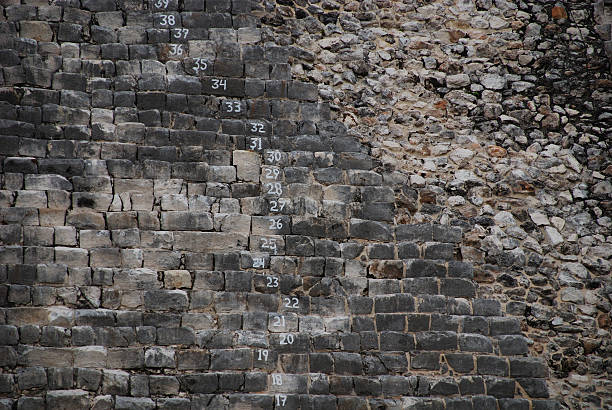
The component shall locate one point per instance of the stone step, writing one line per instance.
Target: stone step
(78, 398)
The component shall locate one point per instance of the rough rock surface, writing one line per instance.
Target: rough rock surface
(305, 204)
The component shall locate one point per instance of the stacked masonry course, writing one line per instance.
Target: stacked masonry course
(187, 225)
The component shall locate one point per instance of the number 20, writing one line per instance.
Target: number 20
(287, 339)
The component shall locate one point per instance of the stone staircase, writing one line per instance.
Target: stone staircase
(185, 227)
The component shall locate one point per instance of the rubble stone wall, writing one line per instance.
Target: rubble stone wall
(235, 204)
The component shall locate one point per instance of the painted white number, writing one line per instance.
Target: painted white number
(277, 379)
(292, 303)
(275, 224)
(281, 399)
(232, 106)
(255, 143)
(272, 173)
(262, 354)
(287, 339)
(279, 321)
(199, 64)
(218, 83)
(168, 20)
(272, 282)
(176, 49)
(277, 206)
(268, 244)
(162, 4)
(258, 127)
(274, 188)
(274, 156)
(259, 262)
(180, 32)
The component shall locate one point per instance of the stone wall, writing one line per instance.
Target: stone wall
(298, 204)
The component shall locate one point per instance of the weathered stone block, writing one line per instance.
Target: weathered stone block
(157, 357)
(67, 399)
(166, 299)
(134, 403)
(492, 365)
(186, 221)
(31, 377)
(235, 359)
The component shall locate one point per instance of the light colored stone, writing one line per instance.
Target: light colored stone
(198, 321)
(493, 81)
(90, 356)
(134, 279)
(94, 239)
(210, 241)
(232, 223)
(456, 200)
(47, 182)
(175, 279)
(46, 356)
(553, 236)
(247, 165)
(603, 188)
(461, 156)
(497, 23)
(417, 180)
(464, 175)
(457, 80)
(558, 223)
(505, 218)
(38, 30)
(174, 202)
(572, 295)
(539, 218)
(576, 269)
